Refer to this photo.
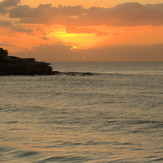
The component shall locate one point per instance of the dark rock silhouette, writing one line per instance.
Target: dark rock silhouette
(73, 73)
(11, 65)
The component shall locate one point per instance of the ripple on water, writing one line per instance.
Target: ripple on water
(27, 153)
(65, 158)
(159, 160)
(11, 122)
(18, 155)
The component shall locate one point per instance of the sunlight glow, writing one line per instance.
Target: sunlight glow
(74, 47)
(77, 40)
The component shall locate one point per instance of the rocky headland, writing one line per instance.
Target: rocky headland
(11, 65)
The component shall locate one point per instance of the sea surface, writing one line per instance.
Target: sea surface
(114, 116)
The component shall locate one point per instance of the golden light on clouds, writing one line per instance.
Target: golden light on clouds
(77, 26)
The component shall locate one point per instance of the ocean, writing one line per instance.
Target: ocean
(113, 116)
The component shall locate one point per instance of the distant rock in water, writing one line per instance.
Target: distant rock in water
(11, 65)
(73, 73)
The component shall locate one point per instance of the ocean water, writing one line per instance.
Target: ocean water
(116, 115)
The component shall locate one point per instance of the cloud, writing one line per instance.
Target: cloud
(51, 53)
(21, 30)
(2, 10)
(5, 4)
(5, 23)
(62, 53)
(45, 38)
(23, 11)
(126, 14)
(9, 3)
(125, 53)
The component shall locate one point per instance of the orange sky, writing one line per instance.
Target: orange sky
(80, 29)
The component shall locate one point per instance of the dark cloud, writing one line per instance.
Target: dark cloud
(45, 38)
(62, 53)
(9, 3)
(23, 11)
(6, 4)
(127, 14)
(5, 23)
(2, 10)
(21, 30)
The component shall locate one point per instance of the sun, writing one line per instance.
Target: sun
(77, 40)
(74, 47)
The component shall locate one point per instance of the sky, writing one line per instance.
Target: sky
(83, 31)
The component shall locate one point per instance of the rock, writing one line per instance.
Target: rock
(76, 73)
(4, 52)
(11, 65)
